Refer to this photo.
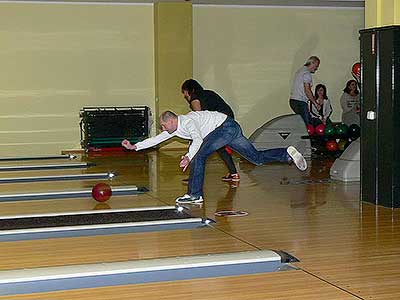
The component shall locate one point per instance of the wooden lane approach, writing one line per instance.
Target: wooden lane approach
(65, 194)
(141, 271)
(100, 222)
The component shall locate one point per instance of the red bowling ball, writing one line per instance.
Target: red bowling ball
(356, 70)
(310, 129)
(320, 129)
(101, 192)
(332, 145)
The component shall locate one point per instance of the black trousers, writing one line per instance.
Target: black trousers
(227, 158)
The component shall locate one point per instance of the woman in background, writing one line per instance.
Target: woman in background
(321, 115)
(350, 102)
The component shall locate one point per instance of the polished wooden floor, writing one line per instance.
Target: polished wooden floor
(347, 249)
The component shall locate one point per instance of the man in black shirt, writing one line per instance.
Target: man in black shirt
(201, 99)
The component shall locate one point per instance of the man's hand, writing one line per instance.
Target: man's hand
(127, 144)
(185, 161)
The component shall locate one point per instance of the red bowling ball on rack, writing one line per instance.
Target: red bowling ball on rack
(356, 70)
(310, 129)
(332, 146)
(320, 129)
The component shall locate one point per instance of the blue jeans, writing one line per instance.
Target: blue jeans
(301, 108)
(228, 133)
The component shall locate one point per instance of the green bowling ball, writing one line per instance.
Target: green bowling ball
(341, 129)
(329, 130)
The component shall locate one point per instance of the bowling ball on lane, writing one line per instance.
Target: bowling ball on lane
(101, 192)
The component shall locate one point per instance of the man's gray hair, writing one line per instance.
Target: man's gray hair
(312, 59)
(168, 115)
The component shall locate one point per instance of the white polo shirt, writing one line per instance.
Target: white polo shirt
(194, 126)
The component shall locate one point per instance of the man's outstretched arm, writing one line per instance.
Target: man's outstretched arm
(147, 143)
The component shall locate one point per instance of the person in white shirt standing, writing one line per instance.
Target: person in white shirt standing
(210, 131)
(301, 92)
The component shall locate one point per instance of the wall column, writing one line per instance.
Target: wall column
(173, 54)
(380, 13)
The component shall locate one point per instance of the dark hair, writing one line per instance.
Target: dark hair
(318, 87)
(347, 88)
(191, 86)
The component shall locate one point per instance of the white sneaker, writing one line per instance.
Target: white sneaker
(297, 158)
(189, 199)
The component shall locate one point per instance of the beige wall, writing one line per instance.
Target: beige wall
(174, 53)
(57, 58)
(249, 54)
(382, 13)
(173, 57)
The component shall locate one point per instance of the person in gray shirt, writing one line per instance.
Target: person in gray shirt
(301, 92)
(350, 103)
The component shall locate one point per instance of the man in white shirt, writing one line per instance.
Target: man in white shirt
(301, 92)
(210, 131)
